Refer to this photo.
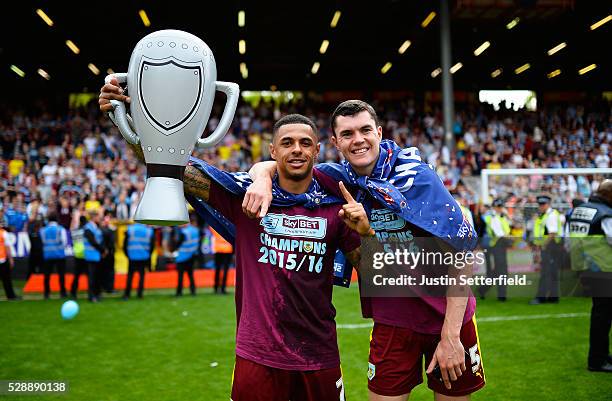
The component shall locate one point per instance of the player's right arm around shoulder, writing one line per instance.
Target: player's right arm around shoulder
(259, 194)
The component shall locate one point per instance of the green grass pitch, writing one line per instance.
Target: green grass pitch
(163, 348)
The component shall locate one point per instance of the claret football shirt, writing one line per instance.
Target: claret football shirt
(284, 279)
(421, 314)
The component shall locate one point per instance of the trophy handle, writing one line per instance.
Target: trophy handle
(119, 116)
(232, 91)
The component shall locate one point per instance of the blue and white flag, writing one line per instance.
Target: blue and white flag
(238, 183)
(406, 185)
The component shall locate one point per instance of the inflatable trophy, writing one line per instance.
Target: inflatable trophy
(172, 80)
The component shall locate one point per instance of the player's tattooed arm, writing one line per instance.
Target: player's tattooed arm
(259, 195)
(137, 149)
(196, 183)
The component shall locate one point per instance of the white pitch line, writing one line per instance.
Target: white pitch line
(529, 317)
(485, 319)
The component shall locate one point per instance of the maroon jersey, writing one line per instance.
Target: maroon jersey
(284, 279)
(420, 314)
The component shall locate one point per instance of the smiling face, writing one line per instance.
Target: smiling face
(358, 138)
(295, 149)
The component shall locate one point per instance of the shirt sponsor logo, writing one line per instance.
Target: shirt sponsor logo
(385, 219)
(584, 213)
(294, 226)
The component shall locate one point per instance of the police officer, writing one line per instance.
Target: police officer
(590, 229)
(94, 251)
(188, 243)
(484, 240)
(54, 240)
(138, 244)
(547, 230)
(498, 230)
(78, 247)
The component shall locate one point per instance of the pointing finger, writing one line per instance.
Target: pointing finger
(347, 195)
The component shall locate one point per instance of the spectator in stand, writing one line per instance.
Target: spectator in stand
(81, 157)
(16, 216)
(64, 213)
(123, 207)
(92, 204)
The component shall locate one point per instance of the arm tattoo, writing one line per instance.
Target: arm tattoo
(196, 183)
(137, 149)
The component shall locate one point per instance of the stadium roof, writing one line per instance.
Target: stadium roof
(283, 41)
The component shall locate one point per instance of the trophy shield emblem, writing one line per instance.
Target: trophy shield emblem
(181, 84)
(172, 78)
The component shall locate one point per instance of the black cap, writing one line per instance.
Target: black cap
(498, 202)
(543, 199)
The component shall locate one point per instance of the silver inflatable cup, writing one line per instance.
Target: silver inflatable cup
(172, 79)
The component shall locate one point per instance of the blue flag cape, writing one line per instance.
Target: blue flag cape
(401, 181)
(238, 183)
(412, 189)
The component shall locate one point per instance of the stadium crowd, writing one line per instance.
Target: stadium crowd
(76, 163)
(79, 161)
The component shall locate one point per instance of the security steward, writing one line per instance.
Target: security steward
(590, 230)
(138, 245)
(54, 240)
(188, 243)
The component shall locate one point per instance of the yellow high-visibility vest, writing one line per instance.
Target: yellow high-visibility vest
(539, 228)
(504, 223)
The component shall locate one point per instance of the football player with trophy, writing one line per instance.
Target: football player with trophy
(286, 346)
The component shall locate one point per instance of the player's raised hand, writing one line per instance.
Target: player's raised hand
(257, 198)
(111, 91)
(354, 215)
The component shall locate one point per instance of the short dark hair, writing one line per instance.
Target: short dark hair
(294, 119)
(351, 108)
